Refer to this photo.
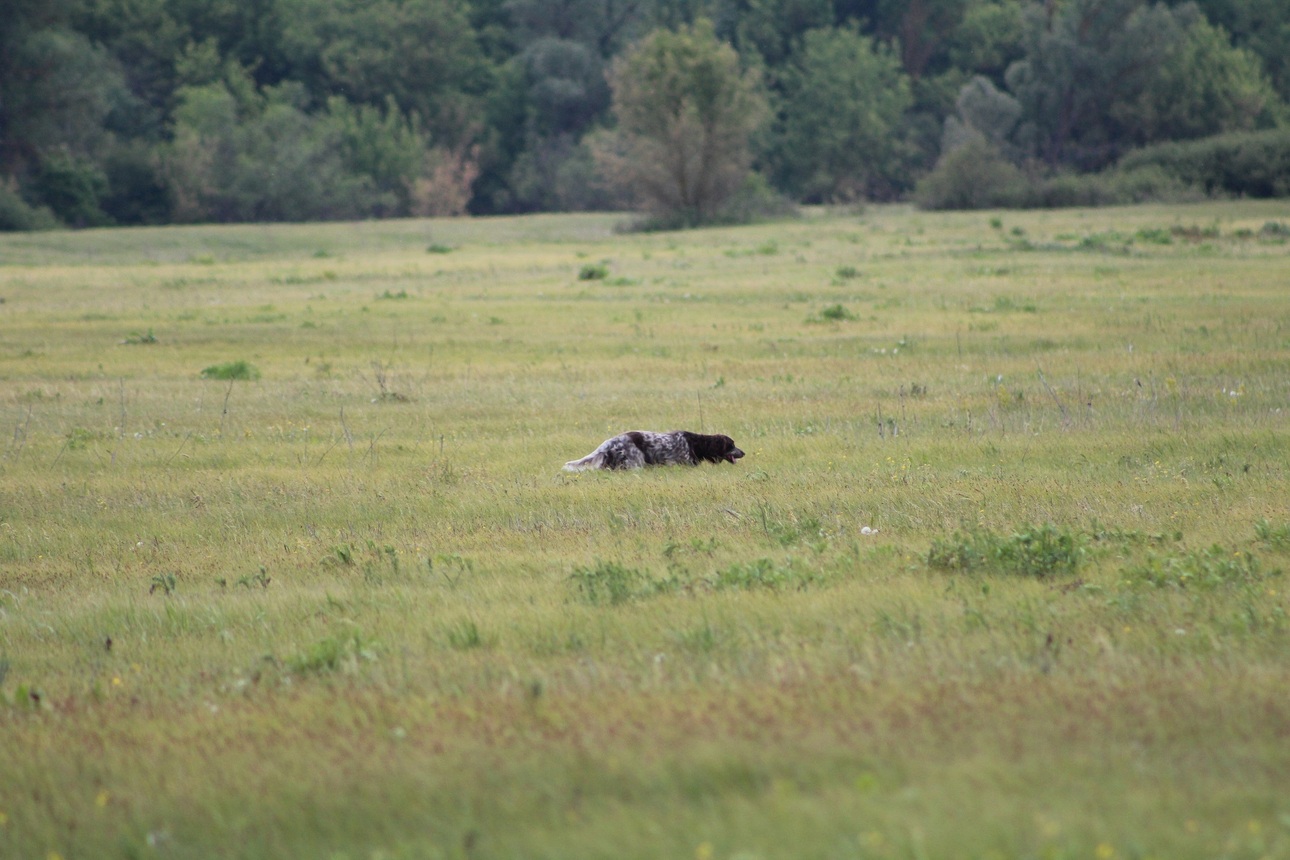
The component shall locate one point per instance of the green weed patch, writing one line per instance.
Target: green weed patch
(1205, 569)
(1039, 551)
(232, 370)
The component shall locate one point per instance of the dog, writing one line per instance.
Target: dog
(638, 448)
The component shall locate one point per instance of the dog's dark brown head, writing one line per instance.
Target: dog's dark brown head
(713, 449)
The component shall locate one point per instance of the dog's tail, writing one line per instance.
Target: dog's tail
(594, 460)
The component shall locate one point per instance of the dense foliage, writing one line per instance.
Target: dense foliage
(159, 111)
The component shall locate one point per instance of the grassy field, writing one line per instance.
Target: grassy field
(289, 568)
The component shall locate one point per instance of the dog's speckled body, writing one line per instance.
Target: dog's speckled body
(638, 448)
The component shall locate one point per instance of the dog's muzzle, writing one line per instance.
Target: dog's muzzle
(734, 454)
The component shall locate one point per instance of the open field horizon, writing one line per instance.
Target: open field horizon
(288, 566)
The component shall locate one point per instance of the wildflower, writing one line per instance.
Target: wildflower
(1104, 851)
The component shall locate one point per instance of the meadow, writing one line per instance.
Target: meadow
(289, 567)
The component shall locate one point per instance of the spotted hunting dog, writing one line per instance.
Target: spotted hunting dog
(638, 448)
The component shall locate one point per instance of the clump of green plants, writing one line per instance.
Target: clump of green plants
(1039, 551)
(230, 370)
(137, 339)
(1154, 236)
(1276, 537)
(388, 295)
(1109, 240)
(163, 582)
(1194, 233)
(593, 272)
(465, 635)
(1276, 232)
(608, 583)
(260, 578)
(79, 437)
(333, 653)
(762, 573)
(1204, 569)
(375, 562)
(436, 248)
(847, 273)
(833, 313)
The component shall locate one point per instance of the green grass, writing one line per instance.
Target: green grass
(1001, 574)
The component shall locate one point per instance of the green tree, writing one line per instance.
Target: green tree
(774, 28)
(1260, 26)
(1080, 59)
(842, 101)
(263, 160)
(686, 113)
(144, 39)
(1101, 76)
(923, 30)
(56, 89)
(988, 39)
(1203, 86)
(421, 53)
(982, 112)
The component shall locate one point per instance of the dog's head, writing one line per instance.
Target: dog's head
(714, 449)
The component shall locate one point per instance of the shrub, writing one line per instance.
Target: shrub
(73, 189)
(17, 215)
(137, 192)
(1251, 164)
(974, 176)
(593, 272)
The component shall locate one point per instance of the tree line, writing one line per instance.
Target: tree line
(172, 111)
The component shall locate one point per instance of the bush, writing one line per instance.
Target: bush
(137, 192)
(973, 176)
(1250, 164)
(73, 189)
(17, 215)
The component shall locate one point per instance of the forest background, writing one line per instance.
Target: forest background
(181, 111)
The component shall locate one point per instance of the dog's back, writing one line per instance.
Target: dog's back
(624, 451)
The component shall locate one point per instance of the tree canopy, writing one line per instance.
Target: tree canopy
(158, 111)
(686, 114)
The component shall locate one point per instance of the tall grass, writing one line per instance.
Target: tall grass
(1001, 574)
